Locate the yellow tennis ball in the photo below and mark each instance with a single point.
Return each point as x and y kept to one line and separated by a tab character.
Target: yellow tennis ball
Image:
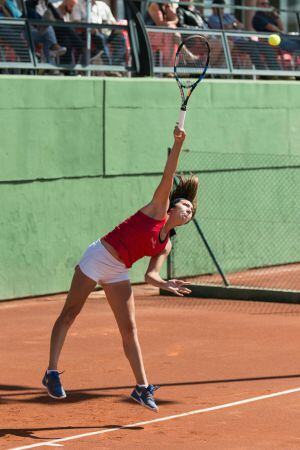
274	40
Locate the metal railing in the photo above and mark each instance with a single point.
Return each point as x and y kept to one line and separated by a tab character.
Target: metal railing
117	49
232	53
164	42
82	47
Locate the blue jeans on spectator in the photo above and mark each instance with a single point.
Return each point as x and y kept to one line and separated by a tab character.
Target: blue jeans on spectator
72	41
117	41
45	36
99	40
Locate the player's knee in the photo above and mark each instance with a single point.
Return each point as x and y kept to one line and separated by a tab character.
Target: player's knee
129	332
68	316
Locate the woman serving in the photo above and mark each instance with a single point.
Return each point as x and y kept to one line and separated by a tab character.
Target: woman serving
107	260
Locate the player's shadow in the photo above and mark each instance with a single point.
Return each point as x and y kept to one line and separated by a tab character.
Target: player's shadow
203	382
23	394
73	397
14	387
81	395
159	400
30	433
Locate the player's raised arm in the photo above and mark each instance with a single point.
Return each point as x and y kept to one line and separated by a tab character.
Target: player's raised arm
162	193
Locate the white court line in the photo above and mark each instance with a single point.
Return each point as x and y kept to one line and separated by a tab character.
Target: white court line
162	419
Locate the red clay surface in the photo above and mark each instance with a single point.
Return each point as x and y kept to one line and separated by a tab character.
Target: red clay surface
285	277
203	353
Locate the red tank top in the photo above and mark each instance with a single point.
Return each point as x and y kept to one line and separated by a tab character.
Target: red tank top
136	237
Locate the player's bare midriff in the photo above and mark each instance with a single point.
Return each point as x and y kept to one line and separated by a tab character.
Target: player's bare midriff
111	250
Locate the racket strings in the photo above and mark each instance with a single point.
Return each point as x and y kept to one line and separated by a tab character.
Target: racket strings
191	60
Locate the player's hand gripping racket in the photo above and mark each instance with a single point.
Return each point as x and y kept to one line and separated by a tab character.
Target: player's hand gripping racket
190	66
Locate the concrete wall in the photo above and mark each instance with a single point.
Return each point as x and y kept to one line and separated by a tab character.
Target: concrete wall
80	155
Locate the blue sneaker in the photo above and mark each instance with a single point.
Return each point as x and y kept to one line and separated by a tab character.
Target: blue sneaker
144	396
51	381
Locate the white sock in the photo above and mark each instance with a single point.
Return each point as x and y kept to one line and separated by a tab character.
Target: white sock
51	370
141	386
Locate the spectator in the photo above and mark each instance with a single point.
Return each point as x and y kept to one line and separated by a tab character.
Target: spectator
163	15
65	35
42	34
110	45
270	21
255	49
221	20
189	17
65	8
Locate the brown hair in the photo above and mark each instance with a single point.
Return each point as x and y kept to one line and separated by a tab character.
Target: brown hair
186	188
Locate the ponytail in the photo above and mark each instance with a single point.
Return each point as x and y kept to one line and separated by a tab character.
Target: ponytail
186	189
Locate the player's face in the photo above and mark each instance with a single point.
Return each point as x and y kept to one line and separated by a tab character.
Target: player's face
183	211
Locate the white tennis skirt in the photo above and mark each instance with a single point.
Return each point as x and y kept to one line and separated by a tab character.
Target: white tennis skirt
102	267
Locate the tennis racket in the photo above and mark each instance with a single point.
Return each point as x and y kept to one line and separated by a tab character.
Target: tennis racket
190	66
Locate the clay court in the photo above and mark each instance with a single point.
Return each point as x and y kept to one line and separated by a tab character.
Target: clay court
218	363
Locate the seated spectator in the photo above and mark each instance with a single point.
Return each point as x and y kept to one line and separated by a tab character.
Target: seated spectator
163	15
65	8
109	44
67	37
254	48
270	21
43	34
189	17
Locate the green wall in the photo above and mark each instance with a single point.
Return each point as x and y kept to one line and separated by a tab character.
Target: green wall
79	155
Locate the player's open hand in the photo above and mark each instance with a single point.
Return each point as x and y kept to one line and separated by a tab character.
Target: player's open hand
179	135
177	287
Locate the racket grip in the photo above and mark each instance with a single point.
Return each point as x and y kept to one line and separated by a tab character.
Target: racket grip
181	119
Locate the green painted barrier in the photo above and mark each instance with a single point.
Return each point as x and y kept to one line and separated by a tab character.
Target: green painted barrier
80	155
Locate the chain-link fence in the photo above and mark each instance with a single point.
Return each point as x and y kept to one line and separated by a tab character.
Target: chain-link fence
247	222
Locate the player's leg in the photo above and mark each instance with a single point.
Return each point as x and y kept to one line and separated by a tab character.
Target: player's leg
81	287
121	300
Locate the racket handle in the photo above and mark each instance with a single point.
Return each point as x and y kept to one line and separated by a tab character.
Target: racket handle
181	119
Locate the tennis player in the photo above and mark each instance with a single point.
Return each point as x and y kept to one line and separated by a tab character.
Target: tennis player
107	260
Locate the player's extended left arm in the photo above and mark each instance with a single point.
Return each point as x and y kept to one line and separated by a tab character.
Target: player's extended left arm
152	275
